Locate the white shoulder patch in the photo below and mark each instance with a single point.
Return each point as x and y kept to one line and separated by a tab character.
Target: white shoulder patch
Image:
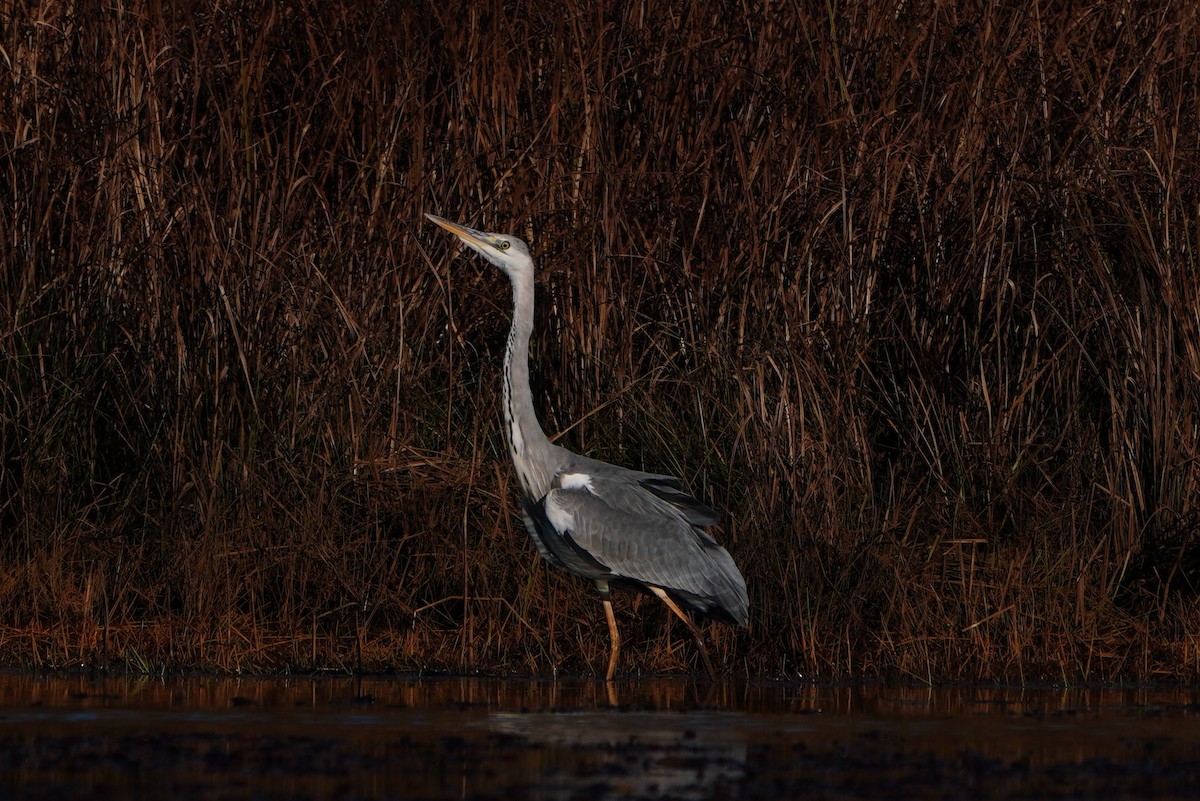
560	518
575	481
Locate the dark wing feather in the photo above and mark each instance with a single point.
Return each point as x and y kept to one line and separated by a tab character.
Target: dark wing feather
533	514
671	490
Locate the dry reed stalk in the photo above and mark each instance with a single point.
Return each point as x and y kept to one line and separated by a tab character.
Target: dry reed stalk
910	293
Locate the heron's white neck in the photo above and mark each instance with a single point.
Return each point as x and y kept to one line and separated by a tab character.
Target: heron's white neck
527	444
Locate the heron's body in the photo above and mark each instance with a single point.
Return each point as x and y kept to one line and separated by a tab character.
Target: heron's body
599	521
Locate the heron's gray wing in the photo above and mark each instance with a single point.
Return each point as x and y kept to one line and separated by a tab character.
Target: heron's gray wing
650	548
635	491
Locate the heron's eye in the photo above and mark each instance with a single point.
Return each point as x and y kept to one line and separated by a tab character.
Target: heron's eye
503	245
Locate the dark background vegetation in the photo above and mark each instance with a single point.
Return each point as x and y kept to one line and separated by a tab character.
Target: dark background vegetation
908	290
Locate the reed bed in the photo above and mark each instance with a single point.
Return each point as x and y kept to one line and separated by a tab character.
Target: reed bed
908	290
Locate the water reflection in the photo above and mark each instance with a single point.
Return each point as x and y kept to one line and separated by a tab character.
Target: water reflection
84	736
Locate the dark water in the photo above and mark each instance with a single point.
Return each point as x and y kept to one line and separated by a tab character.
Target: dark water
67	737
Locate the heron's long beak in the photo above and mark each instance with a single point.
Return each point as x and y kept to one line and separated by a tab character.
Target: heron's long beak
468	235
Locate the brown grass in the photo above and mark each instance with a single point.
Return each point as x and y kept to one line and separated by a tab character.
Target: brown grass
909	292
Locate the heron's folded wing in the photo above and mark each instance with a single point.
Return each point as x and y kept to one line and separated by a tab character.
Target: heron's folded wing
636	492
663	550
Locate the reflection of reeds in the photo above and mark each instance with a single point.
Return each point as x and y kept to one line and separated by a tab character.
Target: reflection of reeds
913	298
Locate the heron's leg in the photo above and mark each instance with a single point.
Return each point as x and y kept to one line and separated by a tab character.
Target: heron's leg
661	593
614	638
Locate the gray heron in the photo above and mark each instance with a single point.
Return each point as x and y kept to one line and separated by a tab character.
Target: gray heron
608	524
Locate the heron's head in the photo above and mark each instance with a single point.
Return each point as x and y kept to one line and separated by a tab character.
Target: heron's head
506	252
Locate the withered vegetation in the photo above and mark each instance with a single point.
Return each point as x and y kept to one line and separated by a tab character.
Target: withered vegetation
909	292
